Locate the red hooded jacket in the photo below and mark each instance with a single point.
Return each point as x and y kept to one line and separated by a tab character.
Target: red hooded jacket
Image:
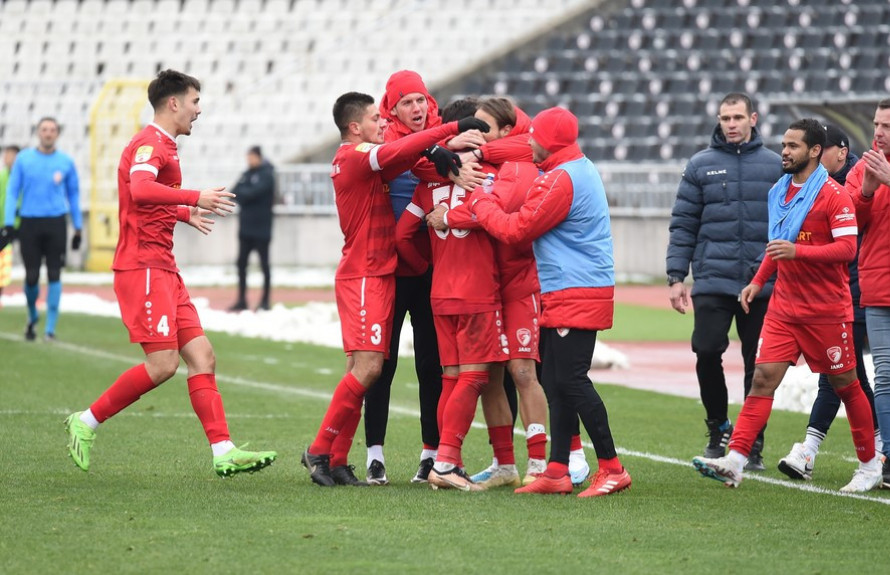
873	215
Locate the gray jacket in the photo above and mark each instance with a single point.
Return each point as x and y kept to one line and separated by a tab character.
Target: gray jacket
720	218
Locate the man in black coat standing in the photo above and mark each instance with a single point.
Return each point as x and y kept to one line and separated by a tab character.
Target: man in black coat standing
255	194
719	229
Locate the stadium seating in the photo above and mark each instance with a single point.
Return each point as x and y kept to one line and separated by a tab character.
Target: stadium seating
270	69
643	75
662	60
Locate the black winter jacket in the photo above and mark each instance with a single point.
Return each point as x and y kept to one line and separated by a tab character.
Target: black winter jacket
255	193
720	218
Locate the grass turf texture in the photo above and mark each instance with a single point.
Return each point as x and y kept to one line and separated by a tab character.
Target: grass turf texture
151	502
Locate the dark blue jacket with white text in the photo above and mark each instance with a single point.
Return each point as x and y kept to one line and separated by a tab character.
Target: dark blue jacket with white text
720	218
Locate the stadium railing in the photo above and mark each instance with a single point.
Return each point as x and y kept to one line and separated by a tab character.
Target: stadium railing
632	189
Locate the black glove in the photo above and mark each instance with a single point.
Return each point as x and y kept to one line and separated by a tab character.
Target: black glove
7	234
444	159
75	241
472	123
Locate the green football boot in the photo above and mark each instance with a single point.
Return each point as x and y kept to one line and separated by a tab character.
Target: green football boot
238	461
80	440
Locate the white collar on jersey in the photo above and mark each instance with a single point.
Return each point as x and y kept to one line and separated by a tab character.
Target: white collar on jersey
163	131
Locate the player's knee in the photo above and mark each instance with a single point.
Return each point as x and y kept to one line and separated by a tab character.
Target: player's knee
162	367
764	383
524	375
841	380
374	370
32	276
202	362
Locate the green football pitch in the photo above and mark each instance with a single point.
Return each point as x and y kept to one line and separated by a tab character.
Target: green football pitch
151	503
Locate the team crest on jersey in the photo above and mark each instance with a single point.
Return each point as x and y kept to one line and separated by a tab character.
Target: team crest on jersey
523	336
562	331
364	147
834	353
143	154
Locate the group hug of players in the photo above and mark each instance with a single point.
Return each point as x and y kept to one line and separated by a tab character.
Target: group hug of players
485	183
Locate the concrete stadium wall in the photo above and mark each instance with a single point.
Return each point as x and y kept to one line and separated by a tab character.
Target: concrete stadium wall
315	240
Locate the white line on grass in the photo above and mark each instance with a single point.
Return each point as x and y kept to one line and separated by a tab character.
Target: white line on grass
277	388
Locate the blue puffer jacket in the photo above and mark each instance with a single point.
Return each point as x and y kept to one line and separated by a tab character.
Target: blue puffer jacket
720	218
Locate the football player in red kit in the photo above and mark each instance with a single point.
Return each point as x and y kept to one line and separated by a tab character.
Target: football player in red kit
466	304
520	297
155	305
812	237
365	281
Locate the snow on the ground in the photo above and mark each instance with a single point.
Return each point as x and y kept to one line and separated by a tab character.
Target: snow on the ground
204	276
318	322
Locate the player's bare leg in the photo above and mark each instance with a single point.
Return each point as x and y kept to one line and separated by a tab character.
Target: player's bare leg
533	412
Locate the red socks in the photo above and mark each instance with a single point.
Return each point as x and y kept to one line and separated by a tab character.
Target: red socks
501	437
208	406
576	443
754	415
859	416
537	446
129	387
346	401
448	384
458	414
611	465
343	442
556	470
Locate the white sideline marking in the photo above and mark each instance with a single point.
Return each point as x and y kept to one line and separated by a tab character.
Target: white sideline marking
277	388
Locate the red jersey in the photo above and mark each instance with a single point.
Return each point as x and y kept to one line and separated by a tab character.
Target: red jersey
516	262
465	276
359	172
150	199
814	286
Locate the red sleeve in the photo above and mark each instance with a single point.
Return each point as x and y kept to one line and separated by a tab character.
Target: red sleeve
547	204
148	192
462	218
842	249
183	214
409	255
425	171
854	186
396	157
512	148
767	268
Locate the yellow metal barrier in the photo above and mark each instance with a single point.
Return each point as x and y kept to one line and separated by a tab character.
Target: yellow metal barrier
116	116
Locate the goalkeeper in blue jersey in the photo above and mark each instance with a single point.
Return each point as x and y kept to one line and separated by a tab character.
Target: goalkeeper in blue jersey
45	181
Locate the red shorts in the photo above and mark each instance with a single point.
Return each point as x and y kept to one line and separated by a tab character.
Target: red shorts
470	338
155	305
366	306
521	319
827	348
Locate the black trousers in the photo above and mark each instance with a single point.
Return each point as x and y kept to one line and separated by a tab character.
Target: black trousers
43	239
570	393
827	401
412	296
245	246
710	338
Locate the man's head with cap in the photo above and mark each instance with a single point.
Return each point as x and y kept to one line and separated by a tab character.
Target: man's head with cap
407	100
552	130
837	146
